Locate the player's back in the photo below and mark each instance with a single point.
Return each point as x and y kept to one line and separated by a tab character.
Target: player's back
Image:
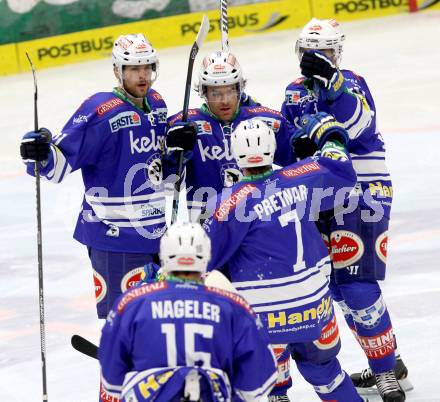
180	324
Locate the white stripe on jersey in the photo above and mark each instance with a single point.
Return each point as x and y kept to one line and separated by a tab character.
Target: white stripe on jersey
151	209
316	282
263	293
60	166
277	281
114	390
360	120
124	200
135	224
371	166
259	393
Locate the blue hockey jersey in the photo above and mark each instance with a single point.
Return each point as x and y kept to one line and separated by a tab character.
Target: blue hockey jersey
356	110
212	165
157	333
119	149
264	237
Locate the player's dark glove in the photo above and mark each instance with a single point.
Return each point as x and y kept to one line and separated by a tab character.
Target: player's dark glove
181	136
322	127
302	145
318	66
35	145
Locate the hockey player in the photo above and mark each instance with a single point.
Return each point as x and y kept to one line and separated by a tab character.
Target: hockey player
116	138
263	238
211	165
358	244
178	340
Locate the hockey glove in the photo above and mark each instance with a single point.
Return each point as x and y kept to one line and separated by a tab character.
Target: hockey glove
182	136
322	127
318	66
35	145
334	150
302	145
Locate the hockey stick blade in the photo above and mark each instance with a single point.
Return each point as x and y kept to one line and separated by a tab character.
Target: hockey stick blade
84	346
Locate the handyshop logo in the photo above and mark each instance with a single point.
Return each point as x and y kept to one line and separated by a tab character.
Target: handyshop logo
251	22
124	119
282	318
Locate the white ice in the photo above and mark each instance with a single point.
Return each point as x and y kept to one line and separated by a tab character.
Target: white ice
400	58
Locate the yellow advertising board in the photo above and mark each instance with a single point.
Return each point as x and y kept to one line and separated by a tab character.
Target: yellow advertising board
162	32
344	10
8	59
427	4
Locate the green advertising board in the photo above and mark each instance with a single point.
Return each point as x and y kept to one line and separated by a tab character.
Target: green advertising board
22	20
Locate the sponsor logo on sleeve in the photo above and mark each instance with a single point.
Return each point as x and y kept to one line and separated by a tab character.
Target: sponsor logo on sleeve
162	114
292	97
381	246
139	291
80	119
301	170
228	205
236	298
346	248
105	107
203	127
157	96
131	278
263	109
100	287
124	119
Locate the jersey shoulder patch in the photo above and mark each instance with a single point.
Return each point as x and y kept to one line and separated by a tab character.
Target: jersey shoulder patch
263	109
232	296
238	196
155	99
301	170
139	291
192	113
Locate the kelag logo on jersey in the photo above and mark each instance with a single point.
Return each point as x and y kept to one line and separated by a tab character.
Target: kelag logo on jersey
124	119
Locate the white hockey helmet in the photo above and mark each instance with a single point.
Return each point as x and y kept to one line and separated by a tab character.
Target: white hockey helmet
220	69
185	247
321	34
253	144
134	50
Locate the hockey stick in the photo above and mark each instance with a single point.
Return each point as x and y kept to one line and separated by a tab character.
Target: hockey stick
84	346
224	24
39	243
201	35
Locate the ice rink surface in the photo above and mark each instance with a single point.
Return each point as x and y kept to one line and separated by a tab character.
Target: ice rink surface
400	58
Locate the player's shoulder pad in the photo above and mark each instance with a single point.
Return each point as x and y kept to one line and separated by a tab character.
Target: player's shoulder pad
193	114
239	194
297	84
349	74
155	99
233	297
139	291
303	168
262	110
